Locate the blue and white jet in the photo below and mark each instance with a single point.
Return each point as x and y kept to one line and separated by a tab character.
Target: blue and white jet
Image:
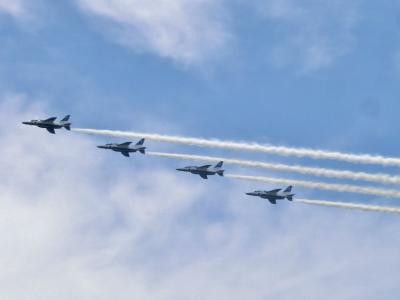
204	171
274	195
51	124
126	148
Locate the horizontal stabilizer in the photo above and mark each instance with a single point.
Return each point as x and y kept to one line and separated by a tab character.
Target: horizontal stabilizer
142	151
290	198
68	127
220	173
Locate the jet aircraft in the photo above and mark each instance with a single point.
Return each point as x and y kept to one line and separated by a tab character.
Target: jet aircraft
274	195
126	148
204	171
51	124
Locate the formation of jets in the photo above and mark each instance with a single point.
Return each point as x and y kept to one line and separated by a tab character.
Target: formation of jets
125	149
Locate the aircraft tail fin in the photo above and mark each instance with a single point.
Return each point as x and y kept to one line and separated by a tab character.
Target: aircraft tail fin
220	173
141	142
68	127
143	151
219	165
288	189
66	118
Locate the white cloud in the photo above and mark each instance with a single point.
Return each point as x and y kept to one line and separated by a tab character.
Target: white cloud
80	223
26	12
15	8
312	34
186	31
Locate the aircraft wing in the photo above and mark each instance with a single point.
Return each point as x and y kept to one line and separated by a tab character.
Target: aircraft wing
125	144
125	153
271	200
204	167
51	130
51	120
275	191
204	176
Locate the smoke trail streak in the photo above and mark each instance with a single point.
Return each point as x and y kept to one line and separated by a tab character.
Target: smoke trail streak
322	172
321	186
278	150
394	210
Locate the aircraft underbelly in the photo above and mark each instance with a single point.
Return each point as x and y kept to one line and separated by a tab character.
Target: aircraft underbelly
123	150
49	126
273	197
202	173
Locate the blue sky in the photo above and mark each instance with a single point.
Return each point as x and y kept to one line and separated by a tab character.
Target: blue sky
310	73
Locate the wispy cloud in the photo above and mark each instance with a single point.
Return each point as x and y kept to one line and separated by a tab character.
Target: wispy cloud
16	8
188	32
312	34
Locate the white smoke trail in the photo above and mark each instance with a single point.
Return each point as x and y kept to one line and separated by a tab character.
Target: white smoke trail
321	186
394	210
278	150
322	172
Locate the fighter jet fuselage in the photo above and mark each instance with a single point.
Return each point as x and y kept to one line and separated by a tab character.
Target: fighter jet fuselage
204	171
125	148
51	124
274	195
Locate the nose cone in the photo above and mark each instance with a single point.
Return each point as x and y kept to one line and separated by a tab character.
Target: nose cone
251	194
101	147
181	169
26	123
